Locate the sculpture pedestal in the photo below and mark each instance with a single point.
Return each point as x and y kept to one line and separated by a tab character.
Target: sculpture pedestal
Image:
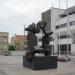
40	63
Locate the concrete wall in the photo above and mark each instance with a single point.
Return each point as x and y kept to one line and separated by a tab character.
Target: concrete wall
72	49
46	16
54	18
17	53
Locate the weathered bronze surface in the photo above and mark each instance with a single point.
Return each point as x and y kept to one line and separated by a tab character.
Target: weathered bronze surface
32	40
39	58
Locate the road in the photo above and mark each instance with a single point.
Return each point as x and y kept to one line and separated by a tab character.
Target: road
12	65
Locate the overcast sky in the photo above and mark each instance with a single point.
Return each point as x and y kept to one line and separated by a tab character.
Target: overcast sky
14	14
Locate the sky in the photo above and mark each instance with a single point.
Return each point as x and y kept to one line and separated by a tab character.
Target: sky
14	14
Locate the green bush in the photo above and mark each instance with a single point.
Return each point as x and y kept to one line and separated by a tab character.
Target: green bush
25	43
11	48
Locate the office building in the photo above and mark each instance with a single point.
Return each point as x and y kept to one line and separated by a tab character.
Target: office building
62	23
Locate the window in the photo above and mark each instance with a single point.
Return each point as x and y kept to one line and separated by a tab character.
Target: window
5	36
62	26
65	25
57	27
63	36
40	39
63	49
72	23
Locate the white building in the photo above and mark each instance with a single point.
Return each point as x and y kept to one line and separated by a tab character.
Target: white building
63	26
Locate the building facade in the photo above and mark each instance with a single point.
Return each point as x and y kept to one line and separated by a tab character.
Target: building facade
46	16
19	42
4	41
62	23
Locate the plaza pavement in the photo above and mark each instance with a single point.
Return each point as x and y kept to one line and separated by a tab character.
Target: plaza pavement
12	65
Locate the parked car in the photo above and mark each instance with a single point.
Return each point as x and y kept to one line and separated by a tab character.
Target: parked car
6	53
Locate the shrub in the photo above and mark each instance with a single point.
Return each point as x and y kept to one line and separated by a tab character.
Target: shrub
11	48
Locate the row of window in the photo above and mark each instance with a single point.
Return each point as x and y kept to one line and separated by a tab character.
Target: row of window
3	36
63	36
3	40
2	43
63	49
65	25
69	13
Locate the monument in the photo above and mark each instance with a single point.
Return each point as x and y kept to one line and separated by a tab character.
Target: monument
30	60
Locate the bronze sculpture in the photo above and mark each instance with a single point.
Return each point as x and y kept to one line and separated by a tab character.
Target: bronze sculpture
45	38
32	40
30	60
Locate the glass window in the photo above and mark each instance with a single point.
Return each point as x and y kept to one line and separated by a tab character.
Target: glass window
72	23
40	39
5	36
65	25
57	27
63	36
62	26
63	49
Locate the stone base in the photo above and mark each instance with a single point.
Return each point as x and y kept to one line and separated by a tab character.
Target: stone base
40	63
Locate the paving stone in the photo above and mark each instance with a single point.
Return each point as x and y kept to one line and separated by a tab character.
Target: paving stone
67	74
12	65
2	72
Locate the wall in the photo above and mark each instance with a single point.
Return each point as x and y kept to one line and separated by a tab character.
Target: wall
72	49
17	53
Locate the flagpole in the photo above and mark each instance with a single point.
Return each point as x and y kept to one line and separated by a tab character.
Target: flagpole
24	36
52	37
59	30
52	3
24	30
68	28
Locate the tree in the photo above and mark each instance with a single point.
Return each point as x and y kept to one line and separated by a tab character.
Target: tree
11	48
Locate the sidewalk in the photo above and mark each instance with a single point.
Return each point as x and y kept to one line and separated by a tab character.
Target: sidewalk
12	65
2	72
